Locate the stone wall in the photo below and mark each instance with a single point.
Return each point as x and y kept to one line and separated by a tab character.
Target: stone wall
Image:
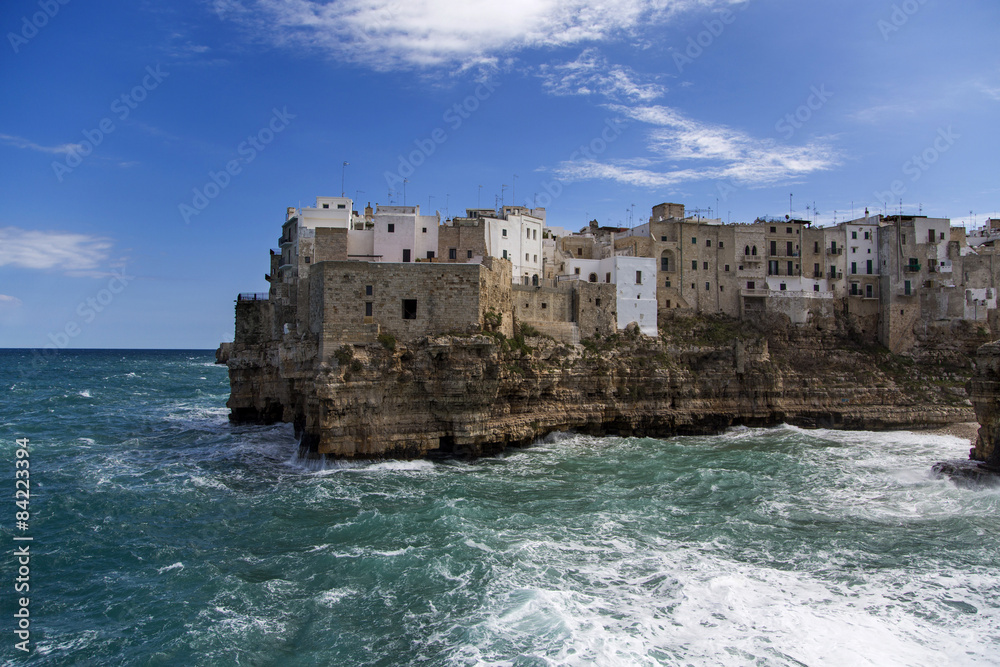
543	304
597	312
463	237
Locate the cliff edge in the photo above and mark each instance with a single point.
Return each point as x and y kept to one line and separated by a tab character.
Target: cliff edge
475	394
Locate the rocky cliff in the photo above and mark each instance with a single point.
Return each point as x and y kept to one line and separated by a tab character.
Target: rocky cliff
476	394
984	391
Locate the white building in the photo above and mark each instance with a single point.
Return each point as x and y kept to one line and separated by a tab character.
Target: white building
517	236
401	234
635	286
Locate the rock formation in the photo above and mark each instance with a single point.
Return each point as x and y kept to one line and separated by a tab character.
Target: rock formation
476	394
984	391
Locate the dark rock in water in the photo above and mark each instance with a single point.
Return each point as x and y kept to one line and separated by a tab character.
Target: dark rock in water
967	474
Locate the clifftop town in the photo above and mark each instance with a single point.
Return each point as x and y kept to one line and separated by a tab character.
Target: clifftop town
390	333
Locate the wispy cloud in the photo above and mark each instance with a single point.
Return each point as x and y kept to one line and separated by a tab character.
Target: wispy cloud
591	73
21	142
388	34
9	301
713	152
75	254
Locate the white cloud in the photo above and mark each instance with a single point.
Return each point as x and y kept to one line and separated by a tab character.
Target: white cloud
21	142
427	33
716	152
591	74
9	301
76	254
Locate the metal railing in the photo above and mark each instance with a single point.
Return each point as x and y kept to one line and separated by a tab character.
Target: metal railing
252	296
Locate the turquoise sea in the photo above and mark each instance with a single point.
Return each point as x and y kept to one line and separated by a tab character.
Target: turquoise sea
162	535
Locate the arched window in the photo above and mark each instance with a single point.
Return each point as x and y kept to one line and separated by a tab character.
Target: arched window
753	251
746	250
593	277
534	280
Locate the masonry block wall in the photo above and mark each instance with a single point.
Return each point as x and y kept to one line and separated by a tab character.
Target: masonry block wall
597	312
543	304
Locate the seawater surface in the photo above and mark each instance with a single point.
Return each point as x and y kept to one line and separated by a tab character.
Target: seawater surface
165	536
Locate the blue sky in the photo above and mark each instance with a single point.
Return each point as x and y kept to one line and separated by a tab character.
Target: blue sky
118	114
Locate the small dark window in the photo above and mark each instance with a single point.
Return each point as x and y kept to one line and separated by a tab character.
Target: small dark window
815	288
663	239
504	233
667	283
545	305
708	243
341	205
470	254
774	230
452	253
308	260
368	290
406	254
638	277
788	230
579	252
505	257
576	271
694	265
750	284
430	254
694	240
607	277
597	302
424	230
704	265
721	244
392	228
593	277
409	309
727	268
708	286
368	308
326	206
782	286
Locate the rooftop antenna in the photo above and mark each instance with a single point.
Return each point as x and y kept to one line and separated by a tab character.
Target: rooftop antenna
447	206
479	198
343	173
503	188
429	198
790	209
405	181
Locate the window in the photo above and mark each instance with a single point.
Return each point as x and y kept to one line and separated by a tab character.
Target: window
534	234
430	254
867	235
526	256
576	271
368	308
774	248
668	303
815	288
789	252
774	230
409	309
307	259
788	230
663	239
720	244
903	236
942	236
534	258
528	232
708	243
722	288
750	284
579	252
931	236
597	302
424	230
504	233
666	283
392	228
592	278
746	250
638	277
469	254
342	206
524	280
816	272
782	287
854	235
704	265
869	291
452	253
694	240
544	306
869	267
505	256
815	246
753	251
906	287
772	267
708	286
607	277
854	267
326	206
694	265
406	254
692	285
727	268
534	279
854	289
368	290
790	272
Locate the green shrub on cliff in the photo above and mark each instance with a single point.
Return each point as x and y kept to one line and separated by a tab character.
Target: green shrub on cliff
388	341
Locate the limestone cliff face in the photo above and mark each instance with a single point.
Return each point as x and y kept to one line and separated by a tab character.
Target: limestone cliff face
984	391
475	395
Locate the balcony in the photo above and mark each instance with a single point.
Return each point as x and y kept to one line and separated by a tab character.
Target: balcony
835	275
834	251
751	259
753	292
911	268
285	241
